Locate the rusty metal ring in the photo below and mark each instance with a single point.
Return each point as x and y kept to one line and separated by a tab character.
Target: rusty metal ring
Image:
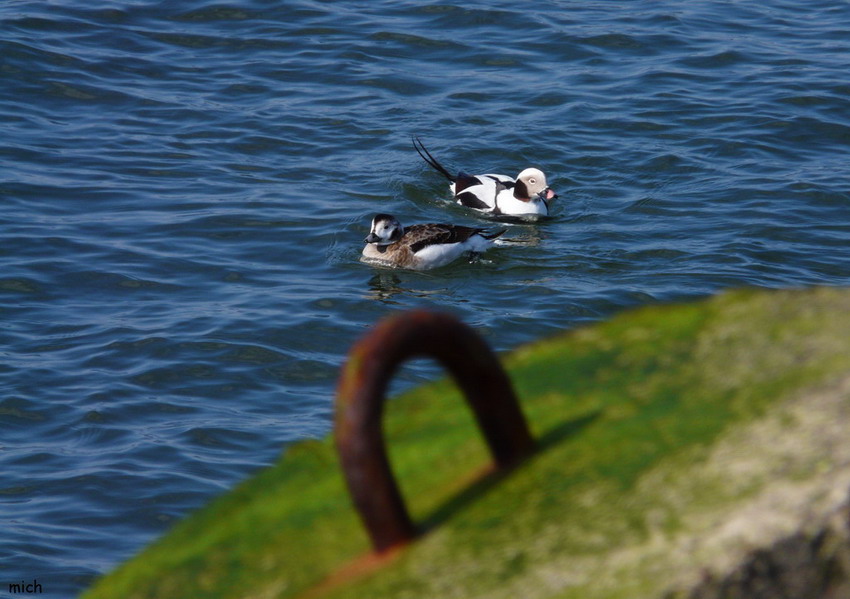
360	401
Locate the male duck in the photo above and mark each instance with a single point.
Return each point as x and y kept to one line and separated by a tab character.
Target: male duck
527	195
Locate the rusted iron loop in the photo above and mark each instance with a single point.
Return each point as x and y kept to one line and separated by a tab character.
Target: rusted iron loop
360	401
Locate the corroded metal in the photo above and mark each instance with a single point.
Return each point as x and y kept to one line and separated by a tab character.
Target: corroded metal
360	401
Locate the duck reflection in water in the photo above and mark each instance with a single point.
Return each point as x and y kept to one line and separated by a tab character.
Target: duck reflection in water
384	286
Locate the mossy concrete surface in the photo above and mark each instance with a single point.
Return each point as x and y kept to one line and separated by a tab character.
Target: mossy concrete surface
675	441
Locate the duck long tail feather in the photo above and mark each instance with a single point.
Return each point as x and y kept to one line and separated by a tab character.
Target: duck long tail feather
432	162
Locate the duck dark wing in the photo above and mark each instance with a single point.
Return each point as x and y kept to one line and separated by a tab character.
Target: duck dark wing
421	236
471	200
465	181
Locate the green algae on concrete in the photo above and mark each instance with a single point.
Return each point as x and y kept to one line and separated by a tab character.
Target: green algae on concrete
672	439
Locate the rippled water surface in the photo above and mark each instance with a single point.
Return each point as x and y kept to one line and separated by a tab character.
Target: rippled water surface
186	185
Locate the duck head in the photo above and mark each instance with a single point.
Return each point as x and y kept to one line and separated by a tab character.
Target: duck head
385	230
531	183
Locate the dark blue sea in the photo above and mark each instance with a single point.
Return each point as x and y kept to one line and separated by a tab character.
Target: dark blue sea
185	188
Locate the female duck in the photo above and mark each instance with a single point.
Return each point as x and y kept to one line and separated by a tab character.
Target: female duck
420	247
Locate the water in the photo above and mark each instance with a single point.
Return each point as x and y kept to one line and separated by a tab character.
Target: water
185	188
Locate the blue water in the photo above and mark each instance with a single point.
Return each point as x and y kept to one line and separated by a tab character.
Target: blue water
185	188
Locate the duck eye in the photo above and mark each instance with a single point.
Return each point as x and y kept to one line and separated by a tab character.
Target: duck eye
532	180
